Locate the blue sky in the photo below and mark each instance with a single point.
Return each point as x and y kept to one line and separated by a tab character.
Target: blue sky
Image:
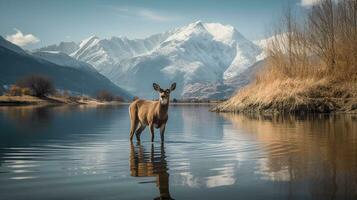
35	23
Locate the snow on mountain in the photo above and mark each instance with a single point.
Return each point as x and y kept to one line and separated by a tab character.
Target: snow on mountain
80	78
199	56
63	59
203	58
64	47
105	53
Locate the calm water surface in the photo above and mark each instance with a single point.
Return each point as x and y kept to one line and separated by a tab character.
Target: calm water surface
84	153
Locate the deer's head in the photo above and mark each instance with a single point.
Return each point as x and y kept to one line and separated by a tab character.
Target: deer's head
164	94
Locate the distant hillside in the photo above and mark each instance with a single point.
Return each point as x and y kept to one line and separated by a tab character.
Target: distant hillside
63	59
17	64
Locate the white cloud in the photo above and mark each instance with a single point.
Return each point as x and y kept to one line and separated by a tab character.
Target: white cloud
153	16
20	39
143	13
308	3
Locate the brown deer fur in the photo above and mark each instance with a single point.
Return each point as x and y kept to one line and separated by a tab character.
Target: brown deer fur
150	113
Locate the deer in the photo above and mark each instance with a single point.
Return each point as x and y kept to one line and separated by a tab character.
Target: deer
150	113
144	163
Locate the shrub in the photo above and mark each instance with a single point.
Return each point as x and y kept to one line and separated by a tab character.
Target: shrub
65	93
119	98
74	98
40	86
25	91
2	89
105	95
14	91
85	98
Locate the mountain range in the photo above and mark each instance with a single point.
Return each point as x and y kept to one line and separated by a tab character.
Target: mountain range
66	72
207	60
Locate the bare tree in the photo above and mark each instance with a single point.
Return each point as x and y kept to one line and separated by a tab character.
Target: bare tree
321	29
119	98
324	42
105	95
39	85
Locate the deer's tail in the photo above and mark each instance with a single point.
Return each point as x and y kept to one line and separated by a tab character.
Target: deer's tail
133	113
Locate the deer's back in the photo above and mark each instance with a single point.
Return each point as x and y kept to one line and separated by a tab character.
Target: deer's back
144	110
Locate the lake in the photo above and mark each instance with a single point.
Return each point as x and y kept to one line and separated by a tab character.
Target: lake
75	152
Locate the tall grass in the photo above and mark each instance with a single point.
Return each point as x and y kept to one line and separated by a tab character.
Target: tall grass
322	45
313	57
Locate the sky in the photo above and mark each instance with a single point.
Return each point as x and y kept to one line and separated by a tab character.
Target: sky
36	23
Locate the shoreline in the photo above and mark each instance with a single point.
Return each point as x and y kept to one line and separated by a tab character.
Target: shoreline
192	103
26	100
319	106
308	106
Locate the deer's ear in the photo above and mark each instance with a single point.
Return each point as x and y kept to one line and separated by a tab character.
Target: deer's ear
173	87
156	87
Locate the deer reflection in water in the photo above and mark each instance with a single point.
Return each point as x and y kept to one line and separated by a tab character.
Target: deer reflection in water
150	164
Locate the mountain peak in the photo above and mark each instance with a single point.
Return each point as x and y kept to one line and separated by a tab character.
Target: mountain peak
219	32
198	23
185	32
89	41
93	37
224	33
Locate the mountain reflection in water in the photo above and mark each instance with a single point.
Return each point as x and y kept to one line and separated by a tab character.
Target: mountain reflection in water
320	150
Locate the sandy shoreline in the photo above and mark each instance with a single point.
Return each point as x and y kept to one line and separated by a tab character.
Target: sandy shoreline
30	100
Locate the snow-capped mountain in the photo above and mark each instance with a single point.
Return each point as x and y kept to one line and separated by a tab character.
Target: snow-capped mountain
64	47
63	59
203	58
76	77
105	54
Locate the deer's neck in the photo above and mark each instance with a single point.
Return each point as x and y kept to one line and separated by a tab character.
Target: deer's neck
162	109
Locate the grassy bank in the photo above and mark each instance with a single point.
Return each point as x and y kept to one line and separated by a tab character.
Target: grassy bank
294	96
311	67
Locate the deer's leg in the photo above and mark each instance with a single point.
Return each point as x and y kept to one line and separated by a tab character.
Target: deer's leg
162	132
151	126
133	125
138	132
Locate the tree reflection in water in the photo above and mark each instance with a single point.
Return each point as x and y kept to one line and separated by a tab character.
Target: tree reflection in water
319	150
